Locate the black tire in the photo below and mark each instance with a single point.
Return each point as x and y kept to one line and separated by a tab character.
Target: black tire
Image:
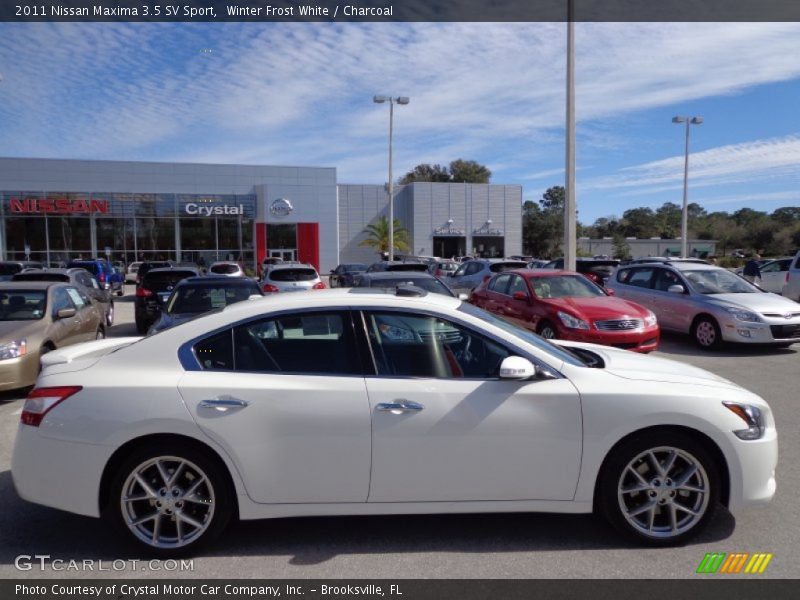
548	331
100	334
214	509
706	333
141	327
660	494
110	315
120	292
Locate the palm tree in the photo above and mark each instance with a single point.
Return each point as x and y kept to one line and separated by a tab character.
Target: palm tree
378	236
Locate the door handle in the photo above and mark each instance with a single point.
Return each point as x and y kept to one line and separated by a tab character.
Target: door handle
399	407
223	404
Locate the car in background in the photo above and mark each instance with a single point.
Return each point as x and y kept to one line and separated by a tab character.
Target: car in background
194	296
291	277
537	263
392	279
152	293
351	402
9	268
473	272
130	272
791	289
443	268
103	272
37	317
664	259
147	265
567	305
598	270
81	279
226	268
344	275
397	265
773	274
710	303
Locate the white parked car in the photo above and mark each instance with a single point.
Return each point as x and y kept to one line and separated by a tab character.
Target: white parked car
791	287
226	268
130	272
291	277
353	402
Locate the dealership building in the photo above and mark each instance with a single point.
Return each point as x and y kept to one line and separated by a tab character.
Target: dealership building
56	210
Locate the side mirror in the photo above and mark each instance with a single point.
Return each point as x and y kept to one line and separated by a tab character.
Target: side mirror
609	292
516	367
676	289
521	296
66	313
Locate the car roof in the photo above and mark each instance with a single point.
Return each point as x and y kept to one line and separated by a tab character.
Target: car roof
225	262
378	275
542	273
293	265
680	266
172	270
212	280
31	285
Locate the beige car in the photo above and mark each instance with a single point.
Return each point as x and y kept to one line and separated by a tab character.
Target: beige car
36	317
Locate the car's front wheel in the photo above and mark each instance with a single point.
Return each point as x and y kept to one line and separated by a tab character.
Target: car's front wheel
706	333
171	499
660	489
548	331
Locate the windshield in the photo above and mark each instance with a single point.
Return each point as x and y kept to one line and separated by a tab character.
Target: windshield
505	266
719	281
567	286
21	305
426	283
529	337
224	269
40	276
205	298
300	274
354	268
10	269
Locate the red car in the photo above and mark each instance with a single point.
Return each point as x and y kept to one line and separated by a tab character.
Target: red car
568	306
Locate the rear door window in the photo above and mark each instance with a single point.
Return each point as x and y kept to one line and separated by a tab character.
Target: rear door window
638	277
499	284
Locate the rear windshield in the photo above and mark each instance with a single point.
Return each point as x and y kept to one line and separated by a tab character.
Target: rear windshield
298	274
505	266
41	277
354	267
426	283
408	267
10	269
93	268
206	298
22	305
163	279
224	269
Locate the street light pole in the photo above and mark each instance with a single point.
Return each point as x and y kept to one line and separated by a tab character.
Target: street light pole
570	229
391	100
685	211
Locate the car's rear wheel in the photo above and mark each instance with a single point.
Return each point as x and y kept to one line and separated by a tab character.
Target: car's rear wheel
548	331
110	315
171	499
706	333
660	489
100	334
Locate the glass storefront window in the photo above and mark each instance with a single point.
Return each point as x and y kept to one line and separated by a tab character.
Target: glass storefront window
69	234
116	234
25	231
155	235
283	236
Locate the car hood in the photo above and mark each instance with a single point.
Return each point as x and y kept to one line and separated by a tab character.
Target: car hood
757	301
14	330
643	367
601	307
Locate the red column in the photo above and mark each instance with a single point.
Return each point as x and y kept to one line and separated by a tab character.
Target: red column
261	244
308	243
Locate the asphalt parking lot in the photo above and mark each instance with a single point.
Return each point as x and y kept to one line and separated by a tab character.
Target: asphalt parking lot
463	546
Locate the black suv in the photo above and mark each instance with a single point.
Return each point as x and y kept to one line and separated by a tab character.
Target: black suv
152	293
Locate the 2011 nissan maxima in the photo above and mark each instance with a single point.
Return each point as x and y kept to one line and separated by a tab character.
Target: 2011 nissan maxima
359	402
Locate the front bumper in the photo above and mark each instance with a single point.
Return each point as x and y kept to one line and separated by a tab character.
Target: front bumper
19	372
638	340
769	331
56	473
752	475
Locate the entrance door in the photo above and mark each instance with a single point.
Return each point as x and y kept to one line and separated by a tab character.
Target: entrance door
284	255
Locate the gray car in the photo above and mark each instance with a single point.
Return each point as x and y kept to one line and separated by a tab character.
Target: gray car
471	273
291	277
712	304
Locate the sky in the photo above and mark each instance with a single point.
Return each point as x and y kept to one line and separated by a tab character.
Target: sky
300	94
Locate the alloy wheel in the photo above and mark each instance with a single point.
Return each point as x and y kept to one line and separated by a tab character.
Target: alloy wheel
706	334
167	502
663	492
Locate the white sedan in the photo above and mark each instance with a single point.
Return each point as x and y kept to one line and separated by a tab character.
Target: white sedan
359	402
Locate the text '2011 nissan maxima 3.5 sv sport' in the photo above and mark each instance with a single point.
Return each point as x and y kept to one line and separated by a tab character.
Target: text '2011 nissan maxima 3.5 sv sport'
353	402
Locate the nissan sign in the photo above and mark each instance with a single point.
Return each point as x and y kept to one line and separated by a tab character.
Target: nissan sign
282	207
193	208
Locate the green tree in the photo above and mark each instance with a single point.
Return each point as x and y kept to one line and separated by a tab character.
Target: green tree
622	250
669	220
469	171
786	215
553	199
639	222
378	236
426	172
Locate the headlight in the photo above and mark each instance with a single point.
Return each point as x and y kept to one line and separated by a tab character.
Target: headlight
572	322
750	415
650	319
13	349
744	315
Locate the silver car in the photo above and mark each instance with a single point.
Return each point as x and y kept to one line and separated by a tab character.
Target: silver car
710	303
291	277
471	273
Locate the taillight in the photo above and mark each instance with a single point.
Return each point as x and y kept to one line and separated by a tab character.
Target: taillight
143	292
269	288
318	286
102	277
42	400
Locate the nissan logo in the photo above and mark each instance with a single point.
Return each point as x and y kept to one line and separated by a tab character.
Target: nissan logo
282	207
